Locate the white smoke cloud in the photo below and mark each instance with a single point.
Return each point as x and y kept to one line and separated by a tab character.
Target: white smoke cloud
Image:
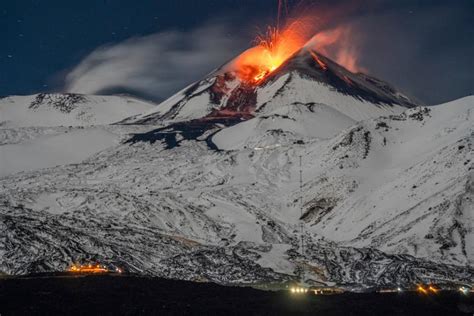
155	65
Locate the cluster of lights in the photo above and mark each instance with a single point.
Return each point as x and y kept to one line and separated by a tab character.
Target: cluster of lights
298	290
91	268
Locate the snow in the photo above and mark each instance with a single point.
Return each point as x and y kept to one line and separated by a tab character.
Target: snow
245	224
195	108
46	130
19	111
292	121
49	151
277	259
199	104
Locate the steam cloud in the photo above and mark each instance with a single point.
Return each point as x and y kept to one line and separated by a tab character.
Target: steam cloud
156	65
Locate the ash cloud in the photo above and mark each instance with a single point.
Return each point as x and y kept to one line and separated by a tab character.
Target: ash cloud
155	65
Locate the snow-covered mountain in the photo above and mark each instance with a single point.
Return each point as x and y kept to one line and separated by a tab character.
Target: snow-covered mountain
45	130
305	78
68	109
206	186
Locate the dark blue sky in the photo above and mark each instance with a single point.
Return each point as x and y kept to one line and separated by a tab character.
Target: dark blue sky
423	47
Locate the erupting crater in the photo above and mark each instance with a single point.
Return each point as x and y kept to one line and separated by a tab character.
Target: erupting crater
272	50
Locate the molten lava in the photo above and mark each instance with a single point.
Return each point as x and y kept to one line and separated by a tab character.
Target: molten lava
272	49
275	46
319	61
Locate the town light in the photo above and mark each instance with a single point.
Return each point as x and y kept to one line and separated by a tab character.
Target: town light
421	289
298	290
433	289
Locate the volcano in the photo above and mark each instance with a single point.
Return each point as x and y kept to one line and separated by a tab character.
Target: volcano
205	186
305	84
315	78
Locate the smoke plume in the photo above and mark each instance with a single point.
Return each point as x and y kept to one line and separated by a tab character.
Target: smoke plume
155	65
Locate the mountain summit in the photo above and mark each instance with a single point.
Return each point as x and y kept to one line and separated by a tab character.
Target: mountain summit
306	77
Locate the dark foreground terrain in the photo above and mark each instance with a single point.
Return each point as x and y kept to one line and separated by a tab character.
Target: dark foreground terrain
131	295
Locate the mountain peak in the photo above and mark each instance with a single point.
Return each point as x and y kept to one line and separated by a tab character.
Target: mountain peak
305	77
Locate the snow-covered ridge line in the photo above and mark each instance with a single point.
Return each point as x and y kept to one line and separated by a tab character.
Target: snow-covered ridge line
68	109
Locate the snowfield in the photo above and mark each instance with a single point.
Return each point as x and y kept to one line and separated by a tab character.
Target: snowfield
46	130
387	197
67	110
51	150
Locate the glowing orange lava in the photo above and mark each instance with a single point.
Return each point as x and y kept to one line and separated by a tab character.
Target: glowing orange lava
279	43
272	49
319	61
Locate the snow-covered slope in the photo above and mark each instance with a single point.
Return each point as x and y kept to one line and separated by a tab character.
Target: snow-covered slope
62	147
386	201
286	124
46	130
67	110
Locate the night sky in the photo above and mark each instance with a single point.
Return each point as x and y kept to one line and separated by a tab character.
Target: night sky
154	48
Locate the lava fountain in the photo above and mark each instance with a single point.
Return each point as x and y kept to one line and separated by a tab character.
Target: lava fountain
272	49
277	44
